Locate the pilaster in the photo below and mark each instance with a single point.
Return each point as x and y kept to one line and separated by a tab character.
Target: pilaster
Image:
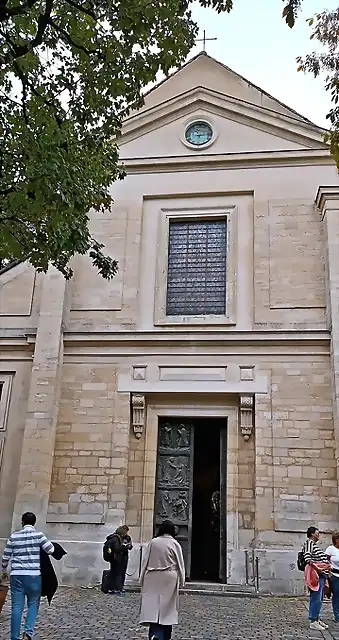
327	201
36	464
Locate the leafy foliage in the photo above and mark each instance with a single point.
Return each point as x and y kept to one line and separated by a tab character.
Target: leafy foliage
325	29
69	71
290	11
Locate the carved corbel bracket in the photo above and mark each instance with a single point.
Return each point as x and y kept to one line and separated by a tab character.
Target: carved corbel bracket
246	416
138	403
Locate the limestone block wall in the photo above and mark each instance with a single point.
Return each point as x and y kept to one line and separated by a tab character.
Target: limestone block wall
296	476
278	483
89	480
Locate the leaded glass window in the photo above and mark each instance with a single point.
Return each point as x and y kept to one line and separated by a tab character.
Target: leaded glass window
196	278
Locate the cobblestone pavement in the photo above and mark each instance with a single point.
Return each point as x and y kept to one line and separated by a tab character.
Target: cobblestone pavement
79	614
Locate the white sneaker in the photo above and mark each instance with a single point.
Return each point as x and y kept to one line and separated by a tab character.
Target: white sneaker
316	626
323	625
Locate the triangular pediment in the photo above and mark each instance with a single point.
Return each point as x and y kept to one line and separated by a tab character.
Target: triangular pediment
205	71
240	127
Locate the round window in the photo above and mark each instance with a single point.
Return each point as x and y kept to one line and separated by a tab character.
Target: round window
199	133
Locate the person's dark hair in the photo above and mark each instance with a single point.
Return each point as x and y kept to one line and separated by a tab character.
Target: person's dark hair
311	531
335	537
28	518
166	528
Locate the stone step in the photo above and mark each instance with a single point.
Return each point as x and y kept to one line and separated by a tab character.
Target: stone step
212	589
215	588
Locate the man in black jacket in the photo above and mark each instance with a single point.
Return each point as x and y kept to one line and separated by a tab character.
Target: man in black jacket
119	544
127	547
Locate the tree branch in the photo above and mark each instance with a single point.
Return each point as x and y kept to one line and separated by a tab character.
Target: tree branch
88	12
71	42
10	12
21	50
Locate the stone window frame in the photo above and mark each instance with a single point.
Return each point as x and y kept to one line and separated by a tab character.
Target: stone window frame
230	213
199	117
5	393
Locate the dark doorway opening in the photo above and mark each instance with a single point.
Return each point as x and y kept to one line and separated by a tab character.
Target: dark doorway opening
207	481
191	491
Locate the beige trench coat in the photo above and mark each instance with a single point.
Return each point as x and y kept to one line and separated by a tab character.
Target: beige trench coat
162	574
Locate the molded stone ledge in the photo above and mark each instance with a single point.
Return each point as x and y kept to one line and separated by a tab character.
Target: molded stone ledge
325	194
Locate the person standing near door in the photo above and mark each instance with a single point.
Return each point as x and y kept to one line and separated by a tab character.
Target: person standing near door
126	548
332	553
113	553
23	550
162	574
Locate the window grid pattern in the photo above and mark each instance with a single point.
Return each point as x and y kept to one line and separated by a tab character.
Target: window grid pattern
196	278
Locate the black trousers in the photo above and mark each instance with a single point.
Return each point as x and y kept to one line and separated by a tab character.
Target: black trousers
116	576
160	631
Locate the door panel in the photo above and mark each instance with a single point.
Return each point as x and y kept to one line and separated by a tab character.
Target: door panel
174	475
223	506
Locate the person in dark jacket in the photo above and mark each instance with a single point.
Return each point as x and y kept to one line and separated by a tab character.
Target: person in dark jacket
116	562
127	547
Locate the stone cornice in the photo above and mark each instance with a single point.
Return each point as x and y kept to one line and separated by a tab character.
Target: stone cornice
194	343
14	340
205	335
327	198
228	107
28	336
206	162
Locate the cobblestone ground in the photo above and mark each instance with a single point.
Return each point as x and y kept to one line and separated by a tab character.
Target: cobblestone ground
78	614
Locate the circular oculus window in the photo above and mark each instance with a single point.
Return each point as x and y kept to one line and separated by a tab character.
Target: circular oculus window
198	133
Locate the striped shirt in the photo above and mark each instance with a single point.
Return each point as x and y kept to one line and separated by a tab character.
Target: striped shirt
313	553
23	550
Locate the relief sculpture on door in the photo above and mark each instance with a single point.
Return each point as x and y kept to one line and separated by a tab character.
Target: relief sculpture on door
173	486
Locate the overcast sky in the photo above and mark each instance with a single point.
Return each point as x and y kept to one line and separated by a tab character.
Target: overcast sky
255	41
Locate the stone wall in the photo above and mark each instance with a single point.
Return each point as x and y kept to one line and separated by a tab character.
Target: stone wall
69	451
91	450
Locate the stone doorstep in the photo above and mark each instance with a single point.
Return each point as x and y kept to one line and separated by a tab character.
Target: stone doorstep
210	589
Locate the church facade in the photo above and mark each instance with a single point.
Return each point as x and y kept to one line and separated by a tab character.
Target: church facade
202	383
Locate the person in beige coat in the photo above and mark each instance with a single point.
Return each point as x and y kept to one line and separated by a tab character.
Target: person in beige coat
162	574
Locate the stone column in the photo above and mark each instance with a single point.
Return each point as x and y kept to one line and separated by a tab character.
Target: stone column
36	464
327	201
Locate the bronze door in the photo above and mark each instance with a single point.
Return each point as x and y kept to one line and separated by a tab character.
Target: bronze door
223	506
174	479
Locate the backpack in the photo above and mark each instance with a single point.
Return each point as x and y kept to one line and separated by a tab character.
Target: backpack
301	564
107	551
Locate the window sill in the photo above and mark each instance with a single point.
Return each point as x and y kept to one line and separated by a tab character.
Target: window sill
195	320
